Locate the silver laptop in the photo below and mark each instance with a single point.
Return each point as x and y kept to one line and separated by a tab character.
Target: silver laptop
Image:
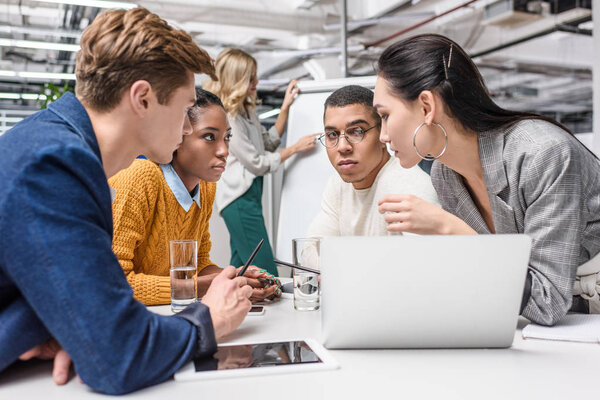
422	291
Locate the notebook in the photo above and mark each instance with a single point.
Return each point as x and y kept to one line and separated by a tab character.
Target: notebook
572	328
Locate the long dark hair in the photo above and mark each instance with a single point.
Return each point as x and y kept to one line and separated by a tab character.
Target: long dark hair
426	62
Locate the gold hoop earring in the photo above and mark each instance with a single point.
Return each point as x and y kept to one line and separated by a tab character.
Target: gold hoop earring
429	157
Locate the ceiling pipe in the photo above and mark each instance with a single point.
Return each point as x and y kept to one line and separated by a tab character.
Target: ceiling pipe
536	35
428	20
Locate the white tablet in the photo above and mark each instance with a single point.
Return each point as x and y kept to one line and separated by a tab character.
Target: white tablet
262	359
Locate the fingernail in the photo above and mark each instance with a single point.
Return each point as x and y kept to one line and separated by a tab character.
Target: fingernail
60	378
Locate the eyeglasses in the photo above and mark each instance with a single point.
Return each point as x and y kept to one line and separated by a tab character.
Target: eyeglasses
354	135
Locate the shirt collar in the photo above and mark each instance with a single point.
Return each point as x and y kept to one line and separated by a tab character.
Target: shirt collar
70	109
178	188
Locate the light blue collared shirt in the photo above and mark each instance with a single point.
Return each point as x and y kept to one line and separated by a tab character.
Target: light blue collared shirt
178	188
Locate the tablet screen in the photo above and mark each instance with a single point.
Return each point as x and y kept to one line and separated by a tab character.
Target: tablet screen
258	355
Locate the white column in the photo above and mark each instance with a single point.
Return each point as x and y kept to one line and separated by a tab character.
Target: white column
596	74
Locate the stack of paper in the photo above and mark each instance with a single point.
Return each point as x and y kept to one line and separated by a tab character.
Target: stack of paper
572	328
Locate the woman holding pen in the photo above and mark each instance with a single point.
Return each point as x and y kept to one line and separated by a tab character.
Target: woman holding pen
496	171
252	154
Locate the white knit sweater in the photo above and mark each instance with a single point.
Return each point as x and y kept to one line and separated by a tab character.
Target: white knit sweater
346	211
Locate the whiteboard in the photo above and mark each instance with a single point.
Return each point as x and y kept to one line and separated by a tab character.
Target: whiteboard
305	175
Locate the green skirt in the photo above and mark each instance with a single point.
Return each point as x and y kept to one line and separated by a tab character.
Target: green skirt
246	225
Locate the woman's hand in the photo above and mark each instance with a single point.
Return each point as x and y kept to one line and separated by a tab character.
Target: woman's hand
259	279
306	143
290	93
408	213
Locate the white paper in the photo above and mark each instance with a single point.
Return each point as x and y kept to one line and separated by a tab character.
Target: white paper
572	328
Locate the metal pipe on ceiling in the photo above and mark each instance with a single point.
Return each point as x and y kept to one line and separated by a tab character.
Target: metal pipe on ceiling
413	27
556	28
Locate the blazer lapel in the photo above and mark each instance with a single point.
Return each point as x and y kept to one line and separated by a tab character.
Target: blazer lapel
465	207
491	147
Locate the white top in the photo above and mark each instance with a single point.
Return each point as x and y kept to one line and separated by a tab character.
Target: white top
251	154
346	211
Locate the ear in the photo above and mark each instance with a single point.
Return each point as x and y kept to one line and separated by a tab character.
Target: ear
427	106
141	96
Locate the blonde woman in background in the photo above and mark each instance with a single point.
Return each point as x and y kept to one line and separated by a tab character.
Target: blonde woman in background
252	154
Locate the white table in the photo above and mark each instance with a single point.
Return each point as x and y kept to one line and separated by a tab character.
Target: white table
531	369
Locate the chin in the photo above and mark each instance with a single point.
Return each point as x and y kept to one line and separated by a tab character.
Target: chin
161	158
406	164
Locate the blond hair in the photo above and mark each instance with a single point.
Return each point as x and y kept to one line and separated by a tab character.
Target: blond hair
235	70
120	47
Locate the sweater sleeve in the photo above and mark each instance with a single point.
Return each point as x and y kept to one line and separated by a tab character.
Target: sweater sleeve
209	190
135	202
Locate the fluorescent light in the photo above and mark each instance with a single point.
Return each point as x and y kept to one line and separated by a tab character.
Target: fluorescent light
24	96
270	113
33	96
93	3
38	75
32	44
46	75
40	32
13	120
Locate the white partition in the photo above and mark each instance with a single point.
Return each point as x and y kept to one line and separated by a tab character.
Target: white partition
306	174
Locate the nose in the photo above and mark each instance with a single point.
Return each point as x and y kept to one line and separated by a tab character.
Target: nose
344	146
383	135
187	126
223	149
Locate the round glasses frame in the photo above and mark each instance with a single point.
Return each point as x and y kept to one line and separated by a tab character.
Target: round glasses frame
323	137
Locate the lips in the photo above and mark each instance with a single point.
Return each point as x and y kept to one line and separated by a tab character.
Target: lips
347	164
220	167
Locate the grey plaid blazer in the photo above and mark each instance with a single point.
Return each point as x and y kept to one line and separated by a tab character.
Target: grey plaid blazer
541	182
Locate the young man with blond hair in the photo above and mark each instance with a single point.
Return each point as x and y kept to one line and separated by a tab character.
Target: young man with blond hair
60	282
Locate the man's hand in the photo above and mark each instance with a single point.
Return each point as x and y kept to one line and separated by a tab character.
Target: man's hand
48	350
228	301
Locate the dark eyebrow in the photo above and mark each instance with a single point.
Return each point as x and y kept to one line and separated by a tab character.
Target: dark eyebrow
376	106
330	128
357	121
209	128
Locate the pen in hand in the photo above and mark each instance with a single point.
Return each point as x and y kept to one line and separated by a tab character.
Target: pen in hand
243	270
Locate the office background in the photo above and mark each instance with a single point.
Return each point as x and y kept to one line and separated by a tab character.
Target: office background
540	56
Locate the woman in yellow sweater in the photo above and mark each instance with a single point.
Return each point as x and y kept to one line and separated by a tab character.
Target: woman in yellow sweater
156	203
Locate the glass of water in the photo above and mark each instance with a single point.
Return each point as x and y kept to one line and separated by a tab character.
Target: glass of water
183	257
307	288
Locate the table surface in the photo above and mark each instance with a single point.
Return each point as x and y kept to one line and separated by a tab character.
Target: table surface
530	369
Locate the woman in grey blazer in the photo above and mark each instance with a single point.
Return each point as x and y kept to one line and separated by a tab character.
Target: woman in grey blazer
496	171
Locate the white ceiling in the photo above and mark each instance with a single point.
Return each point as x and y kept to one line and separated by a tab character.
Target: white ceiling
301	38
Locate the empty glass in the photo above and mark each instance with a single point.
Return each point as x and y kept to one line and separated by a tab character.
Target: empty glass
307	288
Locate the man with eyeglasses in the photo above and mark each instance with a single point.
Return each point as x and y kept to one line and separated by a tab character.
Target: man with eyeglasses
365	169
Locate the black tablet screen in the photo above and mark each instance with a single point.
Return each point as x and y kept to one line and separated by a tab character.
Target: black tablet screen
258	355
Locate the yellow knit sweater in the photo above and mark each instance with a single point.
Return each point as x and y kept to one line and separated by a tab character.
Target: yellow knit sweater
146	217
